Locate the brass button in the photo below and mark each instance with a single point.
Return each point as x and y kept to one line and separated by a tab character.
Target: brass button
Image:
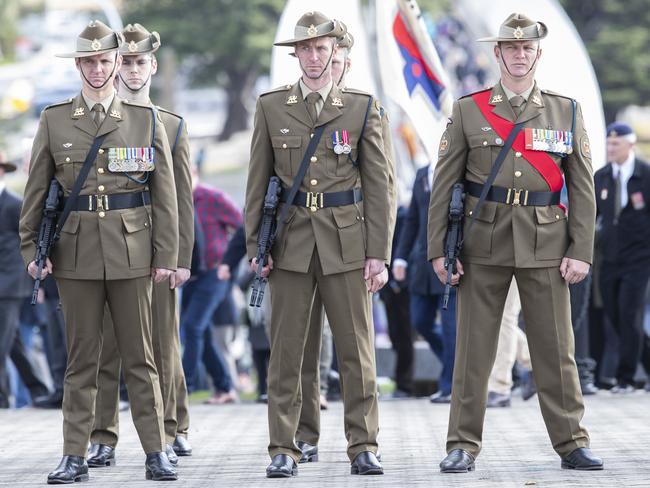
313	182
314	159
498	140
67	160
102	214
311	135
101	151
100	171
284	146
146	224
101	188
517	174
471	212
557	216
485	143
517	154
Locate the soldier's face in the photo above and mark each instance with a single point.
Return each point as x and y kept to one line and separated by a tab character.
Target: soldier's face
518	56
618	149
99	68
136	70
340	64
314	56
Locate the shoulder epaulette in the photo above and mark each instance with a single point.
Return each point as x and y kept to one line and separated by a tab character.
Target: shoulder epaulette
277	89
356	91
58	104
161	109
489	88
552	93
136	104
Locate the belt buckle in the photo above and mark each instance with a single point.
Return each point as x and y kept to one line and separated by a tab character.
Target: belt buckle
101	203
314	200
517	197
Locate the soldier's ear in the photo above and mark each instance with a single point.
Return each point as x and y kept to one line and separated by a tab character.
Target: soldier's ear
154	65
497	52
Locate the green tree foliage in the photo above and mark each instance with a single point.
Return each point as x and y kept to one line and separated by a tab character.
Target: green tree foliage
8	18
223	41
618	40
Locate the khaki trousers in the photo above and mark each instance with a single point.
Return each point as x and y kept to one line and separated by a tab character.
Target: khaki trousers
513	345
347	304
166	350
129	302
546	307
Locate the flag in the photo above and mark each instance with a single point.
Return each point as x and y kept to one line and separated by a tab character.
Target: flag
411	72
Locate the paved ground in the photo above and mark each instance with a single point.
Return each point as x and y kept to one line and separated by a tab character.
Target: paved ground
229	444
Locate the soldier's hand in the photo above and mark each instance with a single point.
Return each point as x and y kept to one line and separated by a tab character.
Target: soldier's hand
377	282
223	272
399	272
161	274
179	278
266	269
439	268
373	267
32	269
573	270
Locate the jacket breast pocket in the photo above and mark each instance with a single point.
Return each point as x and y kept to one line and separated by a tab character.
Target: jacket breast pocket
552	233
478	242
68	166
288	154
64	253
351	234
137	235
340	165
483	150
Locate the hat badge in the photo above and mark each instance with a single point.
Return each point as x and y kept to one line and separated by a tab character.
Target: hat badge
518	33
132	47
312	31
96	45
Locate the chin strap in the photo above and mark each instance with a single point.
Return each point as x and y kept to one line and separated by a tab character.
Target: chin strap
134	90
326	64
508	69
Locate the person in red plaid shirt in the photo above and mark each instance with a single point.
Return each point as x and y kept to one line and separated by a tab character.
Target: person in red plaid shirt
218	217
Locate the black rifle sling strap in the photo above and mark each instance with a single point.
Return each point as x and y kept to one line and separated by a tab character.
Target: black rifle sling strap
318	132
83	174
493	174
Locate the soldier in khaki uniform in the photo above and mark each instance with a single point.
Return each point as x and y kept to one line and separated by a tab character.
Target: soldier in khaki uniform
521	231
139	64
308	432
122	231
335	242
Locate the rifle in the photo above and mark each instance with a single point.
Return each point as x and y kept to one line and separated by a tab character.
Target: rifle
46	237
265	238
453	240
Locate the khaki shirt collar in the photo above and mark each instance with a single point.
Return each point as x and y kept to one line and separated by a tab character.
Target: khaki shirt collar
323	92
106	102
510	93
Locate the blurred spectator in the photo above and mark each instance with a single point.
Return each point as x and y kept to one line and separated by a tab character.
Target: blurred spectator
623	222
425	289
218	217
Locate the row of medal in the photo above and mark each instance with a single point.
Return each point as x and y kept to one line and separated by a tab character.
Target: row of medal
341	141
557	141
127	159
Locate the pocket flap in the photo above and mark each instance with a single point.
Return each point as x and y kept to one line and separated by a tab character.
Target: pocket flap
286	142
134	222
487	213
71	225
548	215
74	156
488	138
345	217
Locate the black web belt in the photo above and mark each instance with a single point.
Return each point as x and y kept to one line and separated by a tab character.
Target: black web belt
514	196
118	201
316	200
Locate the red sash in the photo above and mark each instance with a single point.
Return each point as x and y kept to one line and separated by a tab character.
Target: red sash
539	160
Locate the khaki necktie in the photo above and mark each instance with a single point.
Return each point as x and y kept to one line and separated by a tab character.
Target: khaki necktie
517	103
617	195
98	114
311	100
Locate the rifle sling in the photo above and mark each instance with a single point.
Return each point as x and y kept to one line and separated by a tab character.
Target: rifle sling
492	176
71	200
311	148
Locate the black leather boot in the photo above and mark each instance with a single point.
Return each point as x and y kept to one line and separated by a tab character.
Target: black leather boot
69	470
158	467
